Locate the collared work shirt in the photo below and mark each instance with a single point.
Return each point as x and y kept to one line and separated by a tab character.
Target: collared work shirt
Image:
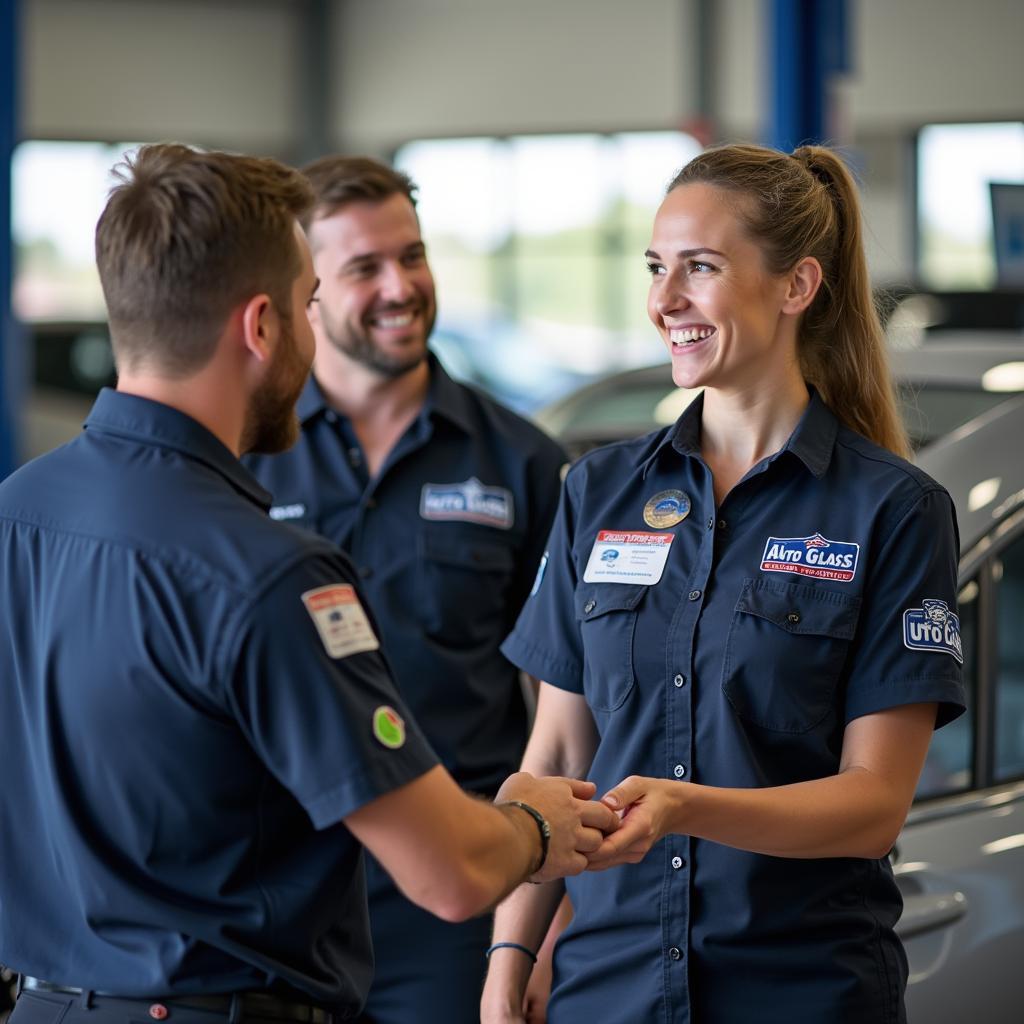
778	618
446	538
186	720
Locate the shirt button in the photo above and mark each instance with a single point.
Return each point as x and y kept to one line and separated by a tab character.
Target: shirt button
721	524
711	522
793	617
677	862
366	572
675	953
694	595
679	771
589	606
680	680
331	416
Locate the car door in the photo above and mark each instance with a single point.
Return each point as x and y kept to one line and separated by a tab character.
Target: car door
960	859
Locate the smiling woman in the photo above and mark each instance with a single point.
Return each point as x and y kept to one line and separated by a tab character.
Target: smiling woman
747	680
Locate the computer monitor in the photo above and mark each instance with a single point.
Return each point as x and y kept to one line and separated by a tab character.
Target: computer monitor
1008	231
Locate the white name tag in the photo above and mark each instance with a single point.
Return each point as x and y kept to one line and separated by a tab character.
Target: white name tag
340	620
628	557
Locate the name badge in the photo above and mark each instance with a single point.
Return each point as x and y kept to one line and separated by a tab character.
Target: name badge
619	557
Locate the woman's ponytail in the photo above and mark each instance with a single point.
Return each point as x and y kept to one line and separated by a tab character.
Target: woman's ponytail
807	205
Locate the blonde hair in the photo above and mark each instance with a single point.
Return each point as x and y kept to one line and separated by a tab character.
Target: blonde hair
806	204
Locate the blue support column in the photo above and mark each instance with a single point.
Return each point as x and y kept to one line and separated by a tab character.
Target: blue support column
12	383
808	46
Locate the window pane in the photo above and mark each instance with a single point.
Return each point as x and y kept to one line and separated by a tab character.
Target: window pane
537	245
58	192
1009	725
947	769
955	164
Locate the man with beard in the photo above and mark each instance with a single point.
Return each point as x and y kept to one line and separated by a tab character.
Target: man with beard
443	499
199	728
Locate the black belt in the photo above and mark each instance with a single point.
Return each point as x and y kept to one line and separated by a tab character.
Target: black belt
240	1006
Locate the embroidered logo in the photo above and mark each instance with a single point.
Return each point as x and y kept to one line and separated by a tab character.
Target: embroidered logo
296	511
933	627
470	502
815	556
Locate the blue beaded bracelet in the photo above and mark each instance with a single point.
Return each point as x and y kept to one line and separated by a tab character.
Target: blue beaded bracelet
511	945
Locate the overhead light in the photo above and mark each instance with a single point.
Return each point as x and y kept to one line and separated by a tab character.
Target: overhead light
1004	377
1002	845
983	493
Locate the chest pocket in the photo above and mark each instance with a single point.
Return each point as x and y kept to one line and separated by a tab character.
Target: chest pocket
607	614
785	653
462	583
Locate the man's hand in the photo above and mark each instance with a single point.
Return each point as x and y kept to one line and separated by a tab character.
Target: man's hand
646	807
578	823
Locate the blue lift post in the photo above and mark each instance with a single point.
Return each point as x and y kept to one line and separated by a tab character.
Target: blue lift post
12	362
808	44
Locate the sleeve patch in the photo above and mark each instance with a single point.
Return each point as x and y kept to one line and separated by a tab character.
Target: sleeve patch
340	620
933	627
388	727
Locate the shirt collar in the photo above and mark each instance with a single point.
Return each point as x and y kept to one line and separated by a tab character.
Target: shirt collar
811	442
445	399
150	422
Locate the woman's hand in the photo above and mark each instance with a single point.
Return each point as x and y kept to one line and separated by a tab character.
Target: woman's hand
648	809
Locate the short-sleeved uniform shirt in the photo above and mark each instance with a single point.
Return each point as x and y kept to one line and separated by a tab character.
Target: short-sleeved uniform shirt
192	700
446	538
731	648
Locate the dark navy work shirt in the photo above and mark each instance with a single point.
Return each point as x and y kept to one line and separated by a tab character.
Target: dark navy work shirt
822	589
189	706
447	538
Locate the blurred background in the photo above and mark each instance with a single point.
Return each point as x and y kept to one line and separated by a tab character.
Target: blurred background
542	134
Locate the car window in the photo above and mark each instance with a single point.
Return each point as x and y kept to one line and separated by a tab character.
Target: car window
948	767
1009	697
931	411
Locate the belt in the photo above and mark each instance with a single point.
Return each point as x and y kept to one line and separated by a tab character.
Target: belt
239	1006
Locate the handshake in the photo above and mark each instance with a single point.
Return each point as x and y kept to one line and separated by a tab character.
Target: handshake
588	834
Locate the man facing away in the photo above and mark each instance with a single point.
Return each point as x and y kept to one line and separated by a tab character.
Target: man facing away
200	732
443	499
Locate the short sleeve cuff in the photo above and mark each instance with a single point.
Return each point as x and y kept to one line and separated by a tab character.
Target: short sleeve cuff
391	771
560	672
947	693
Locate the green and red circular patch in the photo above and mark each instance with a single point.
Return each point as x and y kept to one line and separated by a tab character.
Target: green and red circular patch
388	727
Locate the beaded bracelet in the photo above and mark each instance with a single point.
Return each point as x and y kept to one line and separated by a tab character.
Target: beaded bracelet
511	945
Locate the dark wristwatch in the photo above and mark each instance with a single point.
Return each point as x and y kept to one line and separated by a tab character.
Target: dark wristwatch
542	827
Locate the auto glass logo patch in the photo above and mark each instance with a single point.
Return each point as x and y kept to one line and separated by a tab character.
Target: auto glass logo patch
815	556
471	502
933	627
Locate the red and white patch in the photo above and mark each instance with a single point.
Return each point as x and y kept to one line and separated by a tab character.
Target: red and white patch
340	620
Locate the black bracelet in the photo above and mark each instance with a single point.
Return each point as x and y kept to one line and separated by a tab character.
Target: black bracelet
511	945
542	826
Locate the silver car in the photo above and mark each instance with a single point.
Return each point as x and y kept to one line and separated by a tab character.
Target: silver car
960	858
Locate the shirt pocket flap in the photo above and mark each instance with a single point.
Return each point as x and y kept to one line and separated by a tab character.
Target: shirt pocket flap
468	552
596	599
801	609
